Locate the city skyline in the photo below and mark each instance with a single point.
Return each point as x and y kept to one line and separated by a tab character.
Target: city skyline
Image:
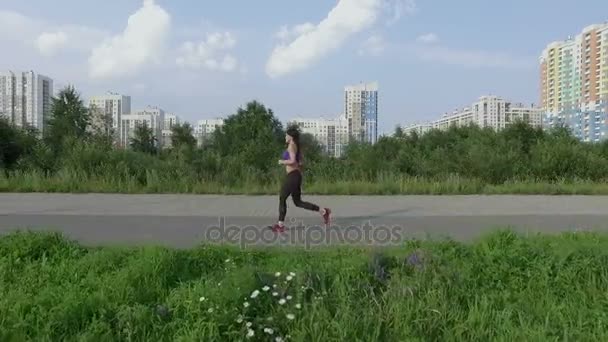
358	121
428	56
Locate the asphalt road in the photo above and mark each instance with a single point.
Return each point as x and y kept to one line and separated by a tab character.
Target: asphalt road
188	220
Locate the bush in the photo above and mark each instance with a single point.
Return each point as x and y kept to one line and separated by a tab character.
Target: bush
243	154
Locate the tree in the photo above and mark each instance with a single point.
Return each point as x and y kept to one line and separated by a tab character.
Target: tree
69	119
399	132
101	127
311	146
15	143
10	149
143	139
182	135
523	135
412	138
253	135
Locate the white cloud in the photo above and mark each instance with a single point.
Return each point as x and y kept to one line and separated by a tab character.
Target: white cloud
401	7
345	19
428	38
16	27
141	43
286	34
47	38
470	58
50	42
310	43
373	46
209	53
83	38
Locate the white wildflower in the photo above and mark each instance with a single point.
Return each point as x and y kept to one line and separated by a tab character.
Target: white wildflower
289	278
292	274
274	286
202	299
278	339
268	331
298	306
289	297
265	288
274	294
291	317
281	301
255	294
210	310
250	333
278	274
246	304
248	324
227	260
239	320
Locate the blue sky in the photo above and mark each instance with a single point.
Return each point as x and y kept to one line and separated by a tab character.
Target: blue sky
202	59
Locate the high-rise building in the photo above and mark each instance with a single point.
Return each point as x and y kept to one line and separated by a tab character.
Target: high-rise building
26	98
170	121
205	128
574	83
151	117
331	134
111	107
361	111
489	111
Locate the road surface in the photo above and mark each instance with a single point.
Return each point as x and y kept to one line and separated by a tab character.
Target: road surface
185	221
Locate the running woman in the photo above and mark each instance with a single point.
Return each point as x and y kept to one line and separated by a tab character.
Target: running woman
292	185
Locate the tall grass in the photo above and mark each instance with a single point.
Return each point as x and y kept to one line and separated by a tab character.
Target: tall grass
67	181
503	287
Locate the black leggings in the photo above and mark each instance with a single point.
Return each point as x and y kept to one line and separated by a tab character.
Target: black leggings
293	186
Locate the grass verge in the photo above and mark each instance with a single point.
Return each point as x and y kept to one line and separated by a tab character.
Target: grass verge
68	182
503	287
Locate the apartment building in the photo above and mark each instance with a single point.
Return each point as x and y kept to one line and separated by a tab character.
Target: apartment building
488	111
574	83
26	98
331	134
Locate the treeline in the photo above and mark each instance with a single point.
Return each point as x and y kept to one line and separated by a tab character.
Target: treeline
246	149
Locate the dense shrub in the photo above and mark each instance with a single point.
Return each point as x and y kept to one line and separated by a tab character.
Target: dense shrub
246	149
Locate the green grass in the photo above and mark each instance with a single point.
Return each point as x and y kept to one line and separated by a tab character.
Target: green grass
504	287
70	182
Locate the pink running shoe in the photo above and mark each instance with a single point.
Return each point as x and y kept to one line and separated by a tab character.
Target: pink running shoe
276	228
326	216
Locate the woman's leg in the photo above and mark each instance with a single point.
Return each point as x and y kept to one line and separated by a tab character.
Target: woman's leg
296	194
284	194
